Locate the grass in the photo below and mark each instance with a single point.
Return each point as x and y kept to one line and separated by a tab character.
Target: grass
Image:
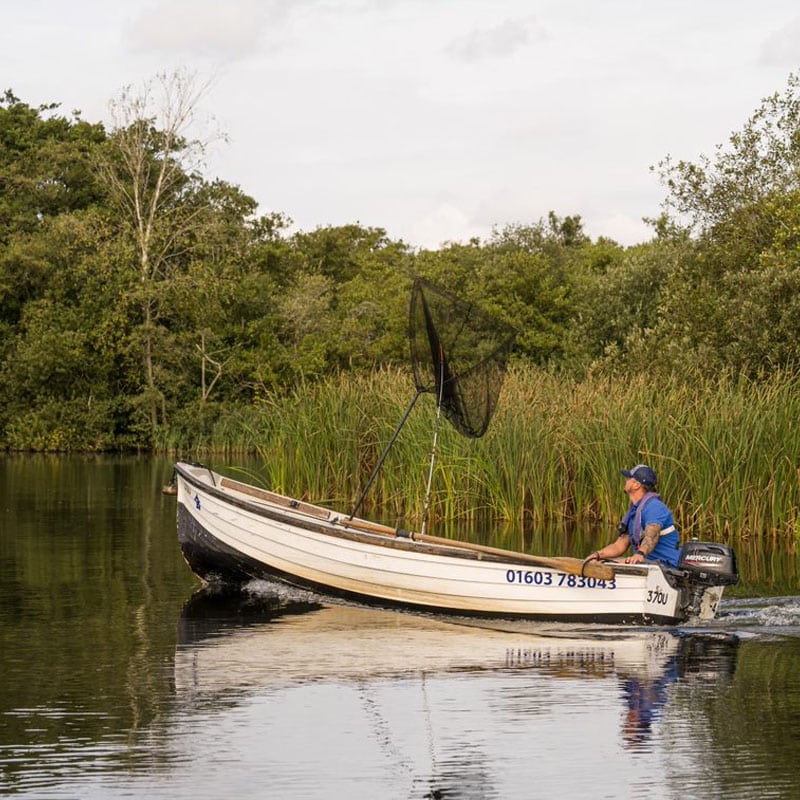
727	451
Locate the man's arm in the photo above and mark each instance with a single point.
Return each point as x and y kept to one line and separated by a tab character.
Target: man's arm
613	550
649	541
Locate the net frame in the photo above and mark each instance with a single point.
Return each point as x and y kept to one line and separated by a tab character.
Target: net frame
458	352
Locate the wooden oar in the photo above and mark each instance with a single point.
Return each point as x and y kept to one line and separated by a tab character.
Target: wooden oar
571	566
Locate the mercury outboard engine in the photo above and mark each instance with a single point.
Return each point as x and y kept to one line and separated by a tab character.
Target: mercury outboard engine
707	564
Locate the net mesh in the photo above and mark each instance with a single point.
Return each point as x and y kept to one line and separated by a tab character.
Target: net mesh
459	353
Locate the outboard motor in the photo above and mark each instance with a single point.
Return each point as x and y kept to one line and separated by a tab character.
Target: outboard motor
706	564
709	563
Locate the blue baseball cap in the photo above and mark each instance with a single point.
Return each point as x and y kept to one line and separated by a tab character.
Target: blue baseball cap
641	473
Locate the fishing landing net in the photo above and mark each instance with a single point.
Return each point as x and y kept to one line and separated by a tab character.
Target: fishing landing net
458	353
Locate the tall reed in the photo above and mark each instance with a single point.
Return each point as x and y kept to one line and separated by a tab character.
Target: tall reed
727	451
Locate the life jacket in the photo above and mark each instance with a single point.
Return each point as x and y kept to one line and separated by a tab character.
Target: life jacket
634	515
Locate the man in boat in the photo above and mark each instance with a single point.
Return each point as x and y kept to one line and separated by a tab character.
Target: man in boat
647	526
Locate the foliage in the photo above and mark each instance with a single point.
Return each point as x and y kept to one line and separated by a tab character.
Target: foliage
46	165
144	305
733	302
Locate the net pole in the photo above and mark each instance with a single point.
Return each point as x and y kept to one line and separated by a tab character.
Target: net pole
427	508
383	455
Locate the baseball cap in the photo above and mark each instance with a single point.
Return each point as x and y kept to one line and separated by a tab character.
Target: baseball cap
641	473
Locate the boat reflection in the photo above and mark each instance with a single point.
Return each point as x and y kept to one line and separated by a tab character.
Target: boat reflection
438	700
271	637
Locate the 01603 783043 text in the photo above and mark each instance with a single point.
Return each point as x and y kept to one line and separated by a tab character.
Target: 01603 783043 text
556	580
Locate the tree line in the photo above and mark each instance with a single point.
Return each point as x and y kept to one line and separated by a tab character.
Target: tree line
136	293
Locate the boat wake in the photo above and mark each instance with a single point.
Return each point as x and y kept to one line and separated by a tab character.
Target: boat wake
273	591
760	616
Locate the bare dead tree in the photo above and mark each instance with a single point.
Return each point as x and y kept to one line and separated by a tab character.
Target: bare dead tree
157	152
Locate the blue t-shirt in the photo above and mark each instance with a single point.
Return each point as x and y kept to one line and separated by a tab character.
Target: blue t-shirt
655	512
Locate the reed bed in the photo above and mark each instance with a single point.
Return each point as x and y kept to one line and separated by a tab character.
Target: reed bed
727	450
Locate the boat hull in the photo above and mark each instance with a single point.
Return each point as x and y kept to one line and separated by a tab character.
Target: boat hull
233	532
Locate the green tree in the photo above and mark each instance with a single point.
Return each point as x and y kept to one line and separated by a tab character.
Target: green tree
524	275
45	164
619	299
734	301
344	301
63	375
137	304
45	170
49	201
172	219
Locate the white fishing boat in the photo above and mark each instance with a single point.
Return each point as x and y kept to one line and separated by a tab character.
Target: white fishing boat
233	531
237	531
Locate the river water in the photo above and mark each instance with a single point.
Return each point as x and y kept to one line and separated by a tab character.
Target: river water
120	678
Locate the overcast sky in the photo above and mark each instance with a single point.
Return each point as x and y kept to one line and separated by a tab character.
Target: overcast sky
434	119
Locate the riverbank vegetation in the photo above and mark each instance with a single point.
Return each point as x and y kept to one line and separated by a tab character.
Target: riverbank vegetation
146	307
727	450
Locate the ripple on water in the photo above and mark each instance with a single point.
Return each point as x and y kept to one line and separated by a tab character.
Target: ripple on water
761	615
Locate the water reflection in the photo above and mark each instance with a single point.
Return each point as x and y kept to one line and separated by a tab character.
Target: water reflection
267	637
705	657
113	685
454	708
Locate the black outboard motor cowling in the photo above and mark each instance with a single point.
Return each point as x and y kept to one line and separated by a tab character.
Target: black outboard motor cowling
709	563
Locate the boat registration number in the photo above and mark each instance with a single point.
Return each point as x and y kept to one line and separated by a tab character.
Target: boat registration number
534	578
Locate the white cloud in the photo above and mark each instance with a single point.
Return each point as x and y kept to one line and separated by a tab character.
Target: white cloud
344	110
498	41
444	223
782	47
622	228
203	28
